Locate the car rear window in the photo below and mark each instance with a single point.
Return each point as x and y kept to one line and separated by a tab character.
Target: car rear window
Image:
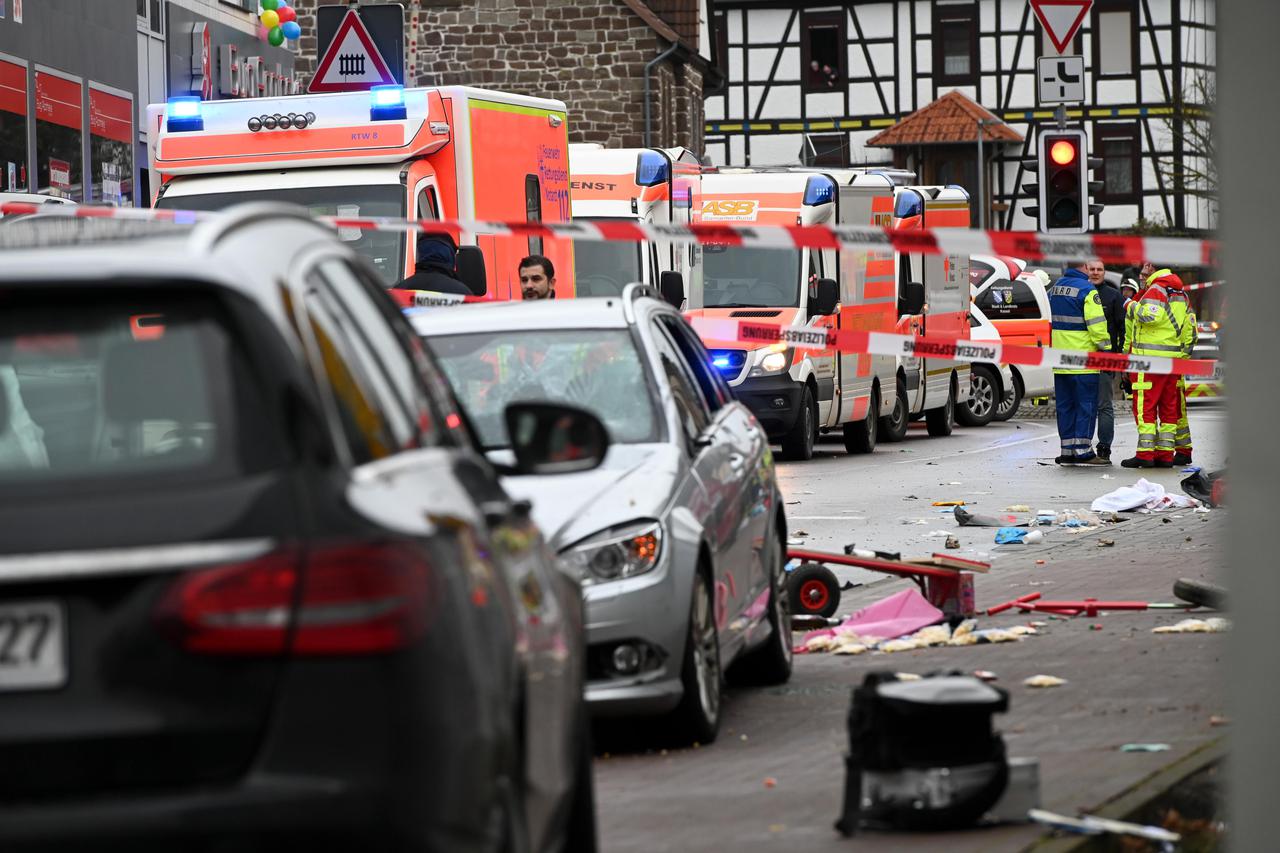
125	384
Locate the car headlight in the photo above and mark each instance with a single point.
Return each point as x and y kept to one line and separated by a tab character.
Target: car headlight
774	358
620	552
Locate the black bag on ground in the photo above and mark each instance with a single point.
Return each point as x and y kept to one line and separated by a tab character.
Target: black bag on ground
923	754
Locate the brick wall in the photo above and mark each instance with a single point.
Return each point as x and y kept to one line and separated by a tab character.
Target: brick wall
588	53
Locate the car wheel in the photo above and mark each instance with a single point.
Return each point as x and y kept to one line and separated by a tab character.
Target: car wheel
1011	401
861	437
697	717
814	590
580	833
798	442
893	426
941	420
981	407
771	663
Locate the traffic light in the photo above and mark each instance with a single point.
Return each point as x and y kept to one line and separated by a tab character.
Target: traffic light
1062	187
1064	181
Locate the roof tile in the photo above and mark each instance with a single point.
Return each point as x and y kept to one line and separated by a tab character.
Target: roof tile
953	118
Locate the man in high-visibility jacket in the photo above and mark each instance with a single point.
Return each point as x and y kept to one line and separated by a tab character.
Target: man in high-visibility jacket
1187	319
1157	331
1078	323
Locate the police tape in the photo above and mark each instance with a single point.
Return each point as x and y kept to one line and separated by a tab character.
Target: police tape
1110	248
950	349
1203	284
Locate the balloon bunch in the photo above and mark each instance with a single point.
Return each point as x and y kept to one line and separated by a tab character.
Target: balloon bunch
280	21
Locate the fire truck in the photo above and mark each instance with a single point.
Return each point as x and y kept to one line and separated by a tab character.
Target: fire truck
643	185
419	153
799	393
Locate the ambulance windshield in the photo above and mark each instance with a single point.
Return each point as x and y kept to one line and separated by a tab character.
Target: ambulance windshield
604	269
740	277
384	249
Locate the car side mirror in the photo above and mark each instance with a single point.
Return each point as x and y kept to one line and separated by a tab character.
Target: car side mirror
911	300
549	438
824	298
671	285
471	269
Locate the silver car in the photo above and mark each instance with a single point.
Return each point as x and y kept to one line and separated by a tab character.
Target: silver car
678	538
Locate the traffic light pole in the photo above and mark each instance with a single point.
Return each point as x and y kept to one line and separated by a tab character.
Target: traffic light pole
1060	114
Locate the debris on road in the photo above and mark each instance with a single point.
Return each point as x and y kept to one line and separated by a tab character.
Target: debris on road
1018	536
985	675
1044	681
952	543
973	519
770	782
1089	825
948	503
1208	489
1212	625
1106	543
1217	720
1017	508
1145	747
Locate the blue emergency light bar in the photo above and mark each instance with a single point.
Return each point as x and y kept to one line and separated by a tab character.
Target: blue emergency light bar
388	103
183	114
652	169
720	361
819	189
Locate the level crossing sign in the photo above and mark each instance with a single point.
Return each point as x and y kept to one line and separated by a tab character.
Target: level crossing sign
1061	19
352	61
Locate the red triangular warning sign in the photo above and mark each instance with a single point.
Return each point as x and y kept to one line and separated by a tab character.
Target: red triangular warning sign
1061	19
352	61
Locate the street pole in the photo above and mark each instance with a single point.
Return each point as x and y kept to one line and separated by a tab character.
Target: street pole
982	204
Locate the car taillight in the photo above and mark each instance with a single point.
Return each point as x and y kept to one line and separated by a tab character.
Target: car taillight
350	599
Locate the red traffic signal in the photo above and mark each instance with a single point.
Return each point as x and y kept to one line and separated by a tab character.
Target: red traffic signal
1062	152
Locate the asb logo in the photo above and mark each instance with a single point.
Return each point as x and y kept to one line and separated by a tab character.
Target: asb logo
729	209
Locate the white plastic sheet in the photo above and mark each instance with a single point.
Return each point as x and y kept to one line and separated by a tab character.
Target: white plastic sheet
1143	494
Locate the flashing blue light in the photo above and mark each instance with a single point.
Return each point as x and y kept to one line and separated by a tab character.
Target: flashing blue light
819	189
721	361
908	203
652	168
183	114
388	103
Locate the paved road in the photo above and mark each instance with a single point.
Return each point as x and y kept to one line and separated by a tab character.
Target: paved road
1125	684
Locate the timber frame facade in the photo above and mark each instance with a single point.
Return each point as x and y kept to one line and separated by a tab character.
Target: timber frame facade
826	77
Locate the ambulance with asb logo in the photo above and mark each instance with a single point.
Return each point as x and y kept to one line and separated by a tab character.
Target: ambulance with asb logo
643	185
798	393
423	153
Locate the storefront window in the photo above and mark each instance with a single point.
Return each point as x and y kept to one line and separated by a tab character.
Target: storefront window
59	136
13	126
110	148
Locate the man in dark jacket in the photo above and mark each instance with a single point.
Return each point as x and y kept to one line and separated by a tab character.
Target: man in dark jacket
434	269
1113	310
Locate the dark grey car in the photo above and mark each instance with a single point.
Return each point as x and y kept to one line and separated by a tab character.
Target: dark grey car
678	538
257	588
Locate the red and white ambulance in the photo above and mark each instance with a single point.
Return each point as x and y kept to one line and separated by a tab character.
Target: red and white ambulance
642	185
421	153
798	393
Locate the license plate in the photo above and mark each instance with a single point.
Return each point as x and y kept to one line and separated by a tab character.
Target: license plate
32	646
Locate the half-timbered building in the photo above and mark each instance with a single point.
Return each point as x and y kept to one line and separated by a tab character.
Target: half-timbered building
869	82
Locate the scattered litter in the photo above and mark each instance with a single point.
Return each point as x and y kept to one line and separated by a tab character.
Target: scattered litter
1203	509
948	503
792	503
906	676
1038	624
1017	508
1095	627
938	534
984	675
1216	720
1089	825
900	646
899	614
770	782
1166	520
1106	543
915	521
794	541
1212	625
1018	536
911	498
742	737
1107	477
996	635
1145	747
955	483
1077	518
1040	562
802	533
972	519
1141	495
849	648
1044	681
1046	517
1191	469
952	543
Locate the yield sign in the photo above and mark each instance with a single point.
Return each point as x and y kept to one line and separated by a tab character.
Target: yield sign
352	61
1061	19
